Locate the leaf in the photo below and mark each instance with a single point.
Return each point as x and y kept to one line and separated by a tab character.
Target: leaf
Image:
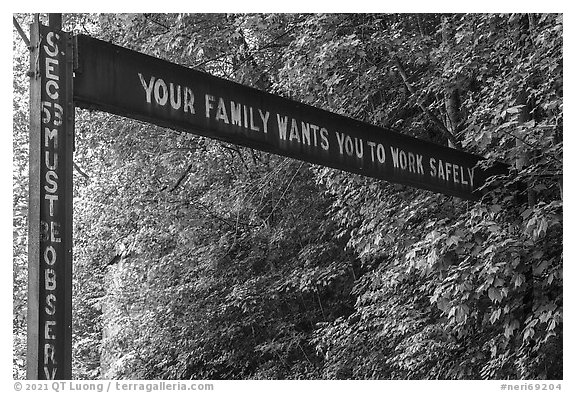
495	315
509	328
443	304
542	227
552	324
519	280
495	294
452	240
462	313
528	333
541	267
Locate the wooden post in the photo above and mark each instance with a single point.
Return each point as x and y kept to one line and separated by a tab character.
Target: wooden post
49	352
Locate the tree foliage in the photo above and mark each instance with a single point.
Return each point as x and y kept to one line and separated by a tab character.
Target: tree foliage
20	120
199	259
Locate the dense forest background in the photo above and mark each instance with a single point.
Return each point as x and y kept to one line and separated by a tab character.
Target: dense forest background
198	259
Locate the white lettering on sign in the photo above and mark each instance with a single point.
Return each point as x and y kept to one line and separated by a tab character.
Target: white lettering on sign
352	147
294	133
380	152
308	134
161	92
407	161
236	114
50	374
50	226
52	89
175	96
264	118
188	100
50	67
147	87
50	304
48	332
451	173
221	113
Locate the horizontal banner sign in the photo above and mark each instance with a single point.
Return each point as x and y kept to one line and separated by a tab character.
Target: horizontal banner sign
135	85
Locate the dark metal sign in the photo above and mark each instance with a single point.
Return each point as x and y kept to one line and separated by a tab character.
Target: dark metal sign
135	85
50	205
132	84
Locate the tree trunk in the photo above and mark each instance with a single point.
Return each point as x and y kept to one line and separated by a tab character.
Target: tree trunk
452	141
451	91
452	104
522	160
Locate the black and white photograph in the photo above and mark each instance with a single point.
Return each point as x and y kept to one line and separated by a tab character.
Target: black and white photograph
287	196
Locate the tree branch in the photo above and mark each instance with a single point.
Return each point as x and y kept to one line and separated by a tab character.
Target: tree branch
206	209
21	32
182	177
269	45
80	171
147	17
284	192
239	153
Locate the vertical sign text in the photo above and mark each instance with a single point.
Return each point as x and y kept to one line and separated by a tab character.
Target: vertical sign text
50	244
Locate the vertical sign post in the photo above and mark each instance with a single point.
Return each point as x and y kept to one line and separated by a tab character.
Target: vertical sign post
49	353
